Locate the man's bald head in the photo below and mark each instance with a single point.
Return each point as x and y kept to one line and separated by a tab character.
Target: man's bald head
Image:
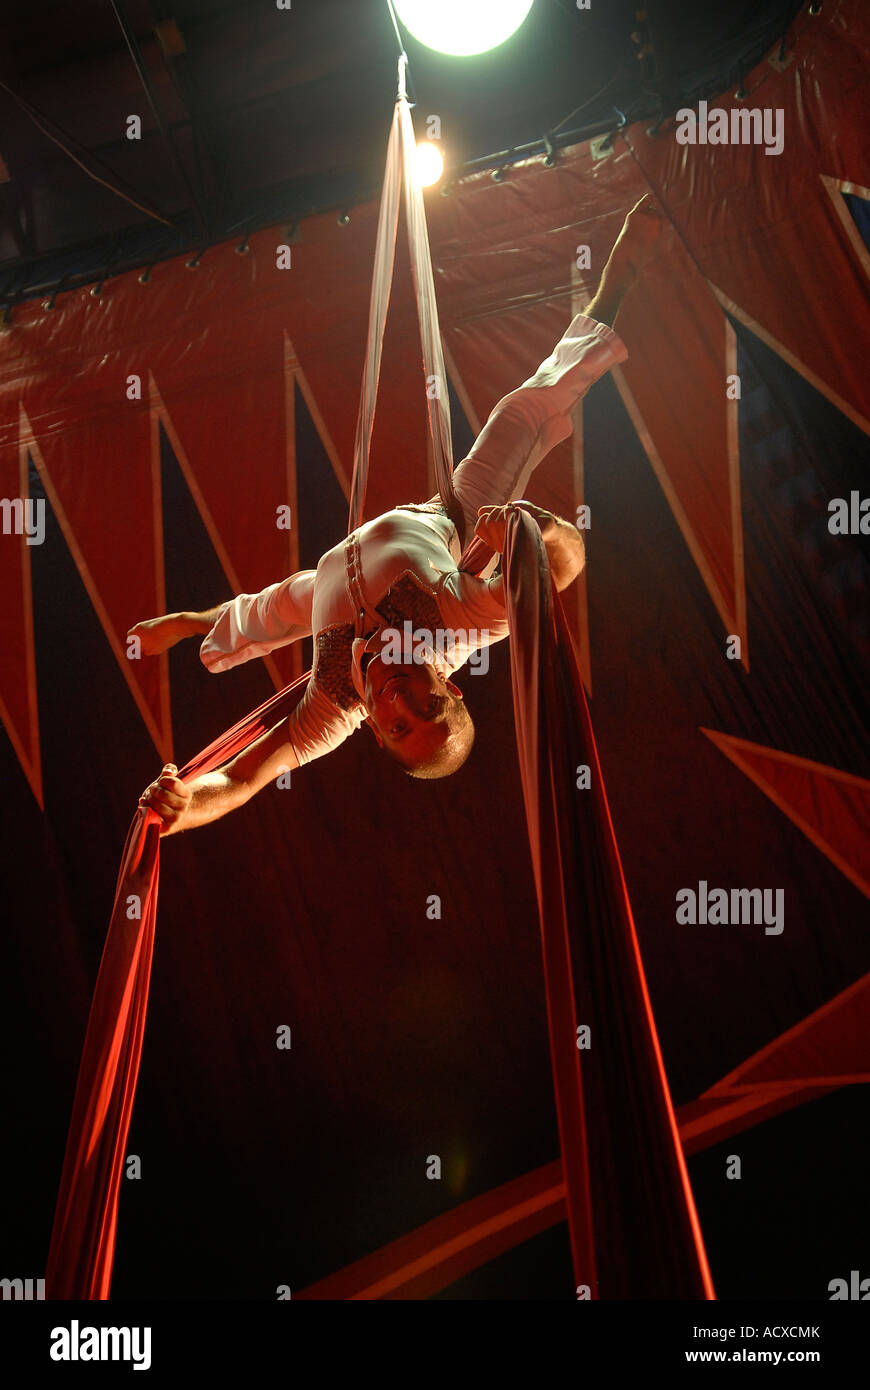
448	756
418	717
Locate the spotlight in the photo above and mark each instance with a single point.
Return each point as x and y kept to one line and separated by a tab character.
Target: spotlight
461	28
428	164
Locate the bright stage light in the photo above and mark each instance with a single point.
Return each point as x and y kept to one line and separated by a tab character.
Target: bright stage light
462	27
428	164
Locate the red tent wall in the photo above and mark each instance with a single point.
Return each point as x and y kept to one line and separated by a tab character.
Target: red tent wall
678	533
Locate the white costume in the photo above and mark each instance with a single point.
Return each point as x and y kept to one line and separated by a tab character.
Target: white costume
406	560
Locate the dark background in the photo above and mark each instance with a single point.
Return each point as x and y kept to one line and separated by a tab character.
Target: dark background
267	115
410	1036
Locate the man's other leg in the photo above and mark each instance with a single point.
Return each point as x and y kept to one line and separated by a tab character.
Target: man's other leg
240	628
527	423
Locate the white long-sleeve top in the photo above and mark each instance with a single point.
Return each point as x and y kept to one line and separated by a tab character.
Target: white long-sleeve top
422	546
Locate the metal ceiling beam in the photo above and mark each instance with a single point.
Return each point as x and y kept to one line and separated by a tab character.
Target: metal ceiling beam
138	62
86	161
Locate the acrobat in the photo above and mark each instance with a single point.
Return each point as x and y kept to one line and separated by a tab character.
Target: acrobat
398	574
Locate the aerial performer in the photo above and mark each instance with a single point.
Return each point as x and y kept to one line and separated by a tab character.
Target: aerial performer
397	577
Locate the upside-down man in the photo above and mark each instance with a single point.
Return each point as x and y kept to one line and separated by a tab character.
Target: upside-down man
398	573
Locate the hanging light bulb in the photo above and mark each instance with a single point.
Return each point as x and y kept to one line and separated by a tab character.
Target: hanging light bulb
428	164
462	27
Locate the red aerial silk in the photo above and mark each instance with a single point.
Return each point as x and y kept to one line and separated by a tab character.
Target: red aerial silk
83	1236
634	1230
631	1215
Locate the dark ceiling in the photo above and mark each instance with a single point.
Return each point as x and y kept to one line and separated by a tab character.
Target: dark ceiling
252	115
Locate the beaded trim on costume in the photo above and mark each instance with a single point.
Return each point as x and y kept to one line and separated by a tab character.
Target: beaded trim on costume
410	598
332	660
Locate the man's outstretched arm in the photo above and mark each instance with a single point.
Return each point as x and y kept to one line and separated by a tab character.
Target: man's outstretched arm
313	728
182	806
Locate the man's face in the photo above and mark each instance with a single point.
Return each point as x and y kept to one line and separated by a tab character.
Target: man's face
408	705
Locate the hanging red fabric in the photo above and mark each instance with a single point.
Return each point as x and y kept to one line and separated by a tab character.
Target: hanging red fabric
631	1215
400	165
634	1230
81	1249
82	1246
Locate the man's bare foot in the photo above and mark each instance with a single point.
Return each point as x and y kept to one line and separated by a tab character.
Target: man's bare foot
636	243
159	634
633	248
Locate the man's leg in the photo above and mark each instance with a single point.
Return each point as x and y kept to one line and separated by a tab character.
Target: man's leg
632	249
246	626
527	423
157	635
